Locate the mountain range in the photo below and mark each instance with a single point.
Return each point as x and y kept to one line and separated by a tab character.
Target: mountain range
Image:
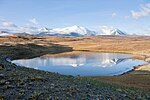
67	31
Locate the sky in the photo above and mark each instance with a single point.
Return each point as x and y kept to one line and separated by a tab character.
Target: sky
131	16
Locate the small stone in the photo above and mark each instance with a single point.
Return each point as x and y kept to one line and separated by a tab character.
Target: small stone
7	82
2	67
88	85
124	95
2	82
1	97
9	86
8	69
1	76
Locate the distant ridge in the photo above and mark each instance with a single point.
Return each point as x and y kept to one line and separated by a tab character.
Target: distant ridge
74	31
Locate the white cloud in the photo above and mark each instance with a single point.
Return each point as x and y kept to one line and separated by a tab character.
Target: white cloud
28	29
106	29
114	14
33	21
8	24
11	27
143	12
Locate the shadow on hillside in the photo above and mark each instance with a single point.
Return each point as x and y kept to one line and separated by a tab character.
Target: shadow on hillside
32	50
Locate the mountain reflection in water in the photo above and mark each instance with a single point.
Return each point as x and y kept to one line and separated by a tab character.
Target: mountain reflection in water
105	64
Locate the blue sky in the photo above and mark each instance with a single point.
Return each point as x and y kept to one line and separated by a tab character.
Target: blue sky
132	16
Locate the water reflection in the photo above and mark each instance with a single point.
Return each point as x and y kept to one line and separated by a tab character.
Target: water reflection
85	65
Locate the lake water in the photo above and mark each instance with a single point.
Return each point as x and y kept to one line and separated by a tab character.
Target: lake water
99	64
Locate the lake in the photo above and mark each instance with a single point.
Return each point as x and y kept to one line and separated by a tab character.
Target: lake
98	64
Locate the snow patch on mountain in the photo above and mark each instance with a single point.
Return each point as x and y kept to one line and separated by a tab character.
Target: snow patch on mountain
74	29
45	29
111	31
67	31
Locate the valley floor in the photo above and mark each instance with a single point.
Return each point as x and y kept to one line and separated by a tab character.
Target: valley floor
19	82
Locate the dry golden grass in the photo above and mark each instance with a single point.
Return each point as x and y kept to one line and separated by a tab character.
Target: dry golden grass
73	53
144	68
135	45
136	79
119	44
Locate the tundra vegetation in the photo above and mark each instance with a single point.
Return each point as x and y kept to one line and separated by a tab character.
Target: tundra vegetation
18	82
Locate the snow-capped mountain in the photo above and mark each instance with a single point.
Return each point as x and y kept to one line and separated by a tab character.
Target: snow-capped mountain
67	31
117	32
74	29
23	34
80	31
111	31
4	32
45	29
